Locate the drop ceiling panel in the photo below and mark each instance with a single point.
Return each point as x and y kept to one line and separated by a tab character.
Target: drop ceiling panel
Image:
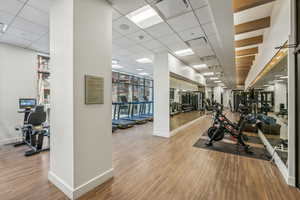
11	6
123	42
11	39
159	30
127	6
139	36
152	44
198	3
43	5
191	33
204	15
170	39
177	46
115	14
34	15
137	49
172	8
124	26
160	50
210	29
23	34
116	35
183	22
30	27
203	51
6	17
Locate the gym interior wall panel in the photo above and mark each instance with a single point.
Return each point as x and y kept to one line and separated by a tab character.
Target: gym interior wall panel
17	80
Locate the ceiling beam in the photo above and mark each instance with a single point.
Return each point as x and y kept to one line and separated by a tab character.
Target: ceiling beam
253	25
249	41
240	5
243	63
246	52
245	58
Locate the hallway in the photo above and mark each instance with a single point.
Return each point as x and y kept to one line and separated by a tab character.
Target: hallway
148	167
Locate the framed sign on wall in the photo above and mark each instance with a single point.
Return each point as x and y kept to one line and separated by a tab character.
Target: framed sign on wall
94	89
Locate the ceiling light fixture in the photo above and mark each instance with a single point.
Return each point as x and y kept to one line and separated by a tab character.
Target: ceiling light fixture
143	74
184	52
117	66
114	62
214	78
144	60
208	74
284	77
201	66
3	27
144	17
217	81
139	69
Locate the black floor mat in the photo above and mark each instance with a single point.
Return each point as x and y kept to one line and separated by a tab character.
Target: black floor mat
258	153
252	139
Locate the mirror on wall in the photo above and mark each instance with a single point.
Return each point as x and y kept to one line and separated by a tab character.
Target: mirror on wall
272	107
186	102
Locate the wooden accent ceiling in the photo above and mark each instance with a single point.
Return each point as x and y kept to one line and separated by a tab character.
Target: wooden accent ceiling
246	52
249	41
240	5
253	25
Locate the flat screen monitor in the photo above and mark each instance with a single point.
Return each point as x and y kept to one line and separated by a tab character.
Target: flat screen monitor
27	103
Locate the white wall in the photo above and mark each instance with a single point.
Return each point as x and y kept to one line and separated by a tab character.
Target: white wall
273	37
17	80
177	67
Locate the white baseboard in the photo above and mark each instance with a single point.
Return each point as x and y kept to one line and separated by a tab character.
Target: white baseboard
175	131
161	134
10	140
82	189
292	181
279	163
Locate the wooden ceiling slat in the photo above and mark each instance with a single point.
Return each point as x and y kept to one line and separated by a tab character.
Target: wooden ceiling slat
246	52
240	5
245	58
249	41
253	25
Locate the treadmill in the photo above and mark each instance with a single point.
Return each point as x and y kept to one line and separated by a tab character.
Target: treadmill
116	121
144	112
130	114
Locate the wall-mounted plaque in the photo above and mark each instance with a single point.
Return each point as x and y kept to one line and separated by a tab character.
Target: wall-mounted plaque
94	89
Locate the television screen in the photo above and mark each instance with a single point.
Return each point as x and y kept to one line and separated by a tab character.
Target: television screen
27	103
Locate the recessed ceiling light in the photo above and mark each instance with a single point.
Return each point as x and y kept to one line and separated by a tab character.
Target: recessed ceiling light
139	69
208	74
117	66
143	74
144	60
284	77
202	66
279	80
184	52
214	78
3	27
218	81
144	17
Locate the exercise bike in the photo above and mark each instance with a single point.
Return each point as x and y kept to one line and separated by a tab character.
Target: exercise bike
222	125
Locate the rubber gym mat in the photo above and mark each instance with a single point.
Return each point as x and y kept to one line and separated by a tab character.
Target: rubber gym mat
252	139
258	153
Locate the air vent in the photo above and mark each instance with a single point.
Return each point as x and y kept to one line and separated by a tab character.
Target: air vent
196	42
208	58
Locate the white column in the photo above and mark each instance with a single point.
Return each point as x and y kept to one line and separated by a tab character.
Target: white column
161	75
280	95
81	139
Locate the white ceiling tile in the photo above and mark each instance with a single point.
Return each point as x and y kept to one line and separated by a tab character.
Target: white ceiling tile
123	42
198	3
159	30
139	36
23	34
191	33
170	39
152	44
11	6
210	29
28	26
137	49
115	14
127	6
124	26
183	22
43	5
160	50
6	17
11	39
171	8
34	15
203	51
116	35
204	15
177	46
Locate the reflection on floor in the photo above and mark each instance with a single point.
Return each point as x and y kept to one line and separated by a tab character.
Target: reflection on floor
154	168
183	118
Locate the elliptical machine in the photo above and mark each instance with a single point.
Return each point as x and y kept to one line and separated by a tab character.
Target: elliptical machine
222	125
